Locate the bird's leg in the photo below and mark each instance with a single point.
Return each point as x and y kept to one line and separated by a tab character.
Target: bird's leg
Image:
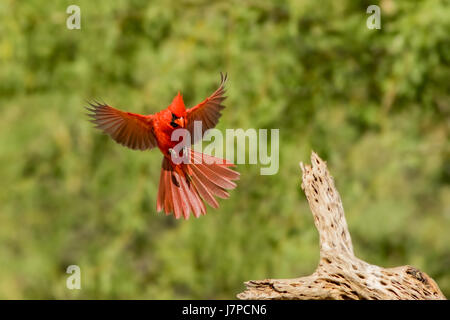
185	152
184	158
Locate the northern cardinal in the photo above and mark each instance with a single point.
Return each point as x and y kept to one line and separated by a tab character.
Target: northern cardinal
181	186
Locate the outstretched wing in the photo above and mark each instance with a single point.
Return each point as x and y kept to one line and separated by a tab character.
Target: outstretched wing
131	130
208	111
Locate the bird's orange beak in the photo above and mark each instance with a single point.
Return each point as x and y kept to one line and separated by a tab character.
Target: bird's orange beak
180	122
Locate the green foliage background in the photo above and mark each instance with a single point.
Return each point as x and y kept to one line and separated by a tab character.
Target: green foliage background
374	103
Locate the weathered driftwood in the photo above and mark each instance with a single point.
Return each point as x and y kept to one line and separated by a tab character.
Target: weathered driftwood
340	275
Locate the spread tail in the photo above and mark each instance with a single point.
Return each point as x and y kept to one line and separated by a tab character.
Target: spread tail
184	188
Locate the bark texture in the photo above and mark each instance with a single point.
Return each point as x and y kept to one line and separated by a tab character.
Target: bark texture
340	275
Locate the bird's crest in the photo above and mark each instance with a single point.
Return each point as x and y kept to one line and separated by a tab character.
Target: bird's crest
177	106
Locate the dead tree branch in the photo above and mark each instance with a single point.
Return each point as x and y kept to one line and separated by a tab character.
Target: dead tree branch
340	275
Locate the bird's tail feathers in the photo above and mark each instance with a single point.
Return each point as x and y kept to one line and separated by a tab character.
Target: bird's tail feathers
184	188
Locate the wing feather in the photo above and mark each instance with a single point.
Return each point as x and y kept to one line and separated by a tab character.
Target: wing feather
208	111
131	130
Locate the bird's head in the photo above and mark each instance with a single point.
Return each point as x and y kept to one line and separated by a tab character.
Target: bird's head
178	110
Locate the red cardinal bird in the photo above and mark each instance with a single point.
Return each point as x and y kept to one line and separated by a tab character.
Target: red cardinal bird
181	186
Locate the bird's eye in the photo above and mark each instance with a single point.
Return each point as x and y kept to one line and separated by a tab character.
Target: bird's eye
174	117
